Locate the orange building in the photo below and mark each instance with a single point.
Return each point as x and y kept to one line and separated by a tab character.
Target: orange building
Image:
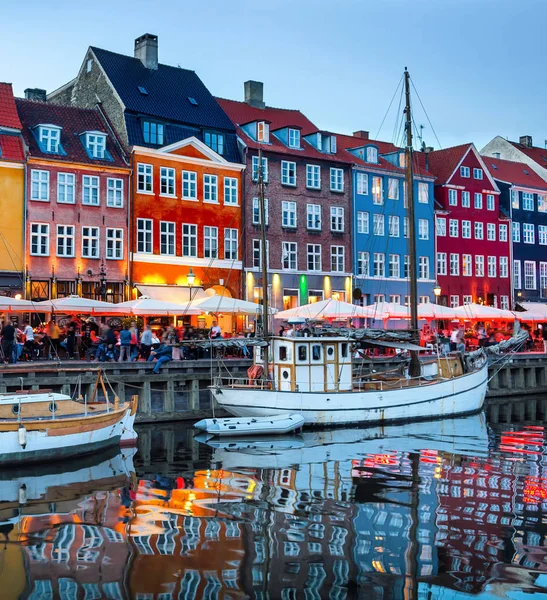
186	219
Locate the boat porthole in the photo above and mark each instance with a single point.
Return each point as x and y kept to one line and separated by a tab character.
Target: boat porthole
330	351
15	409
285	374
53	407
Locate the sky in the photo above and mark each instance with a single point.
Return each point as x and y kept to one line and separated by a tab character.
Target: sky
478	65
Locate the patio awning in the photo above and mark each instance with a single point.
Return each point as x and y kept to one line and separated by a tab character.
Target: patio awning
222	304
388	310
428	310
172	293
77	305
481	311
328	309
8	304
145	306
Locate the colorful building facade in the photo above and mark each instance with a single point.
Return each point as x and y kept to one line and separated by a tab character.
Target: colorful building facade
472	233
77	204
12	196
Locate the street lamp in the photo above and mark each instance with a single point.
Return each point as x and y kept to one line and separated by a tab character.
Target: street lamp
190	278
437	292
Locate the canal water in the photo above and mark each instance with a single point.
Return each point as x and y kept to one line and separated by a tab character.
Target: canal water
438	510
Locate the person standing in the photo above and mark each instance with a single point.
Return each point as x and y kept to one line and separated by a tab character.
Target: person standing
8	342
146	342
216	331
134	341
125	344
544	336
29	340
53	333
71	339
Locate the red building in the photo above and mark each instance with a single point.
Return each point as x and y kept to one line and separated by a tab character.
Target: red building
77	203
472	234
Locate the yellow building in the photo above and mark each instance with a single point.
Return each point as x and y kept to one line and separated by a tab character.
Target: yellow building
12	196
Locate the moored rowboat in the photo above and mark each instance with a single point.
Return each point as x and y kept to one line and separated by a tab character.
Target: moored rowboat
278	424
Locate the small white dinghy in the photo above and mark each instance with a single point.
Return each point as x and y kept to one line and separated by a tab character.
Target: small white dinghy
276	424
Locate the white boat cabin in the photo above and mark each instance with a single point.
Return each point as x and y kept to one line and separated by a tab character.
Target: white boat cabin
309	364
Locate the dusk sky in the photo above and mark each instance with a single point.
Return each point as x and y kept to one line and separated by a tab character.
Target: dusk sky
478	65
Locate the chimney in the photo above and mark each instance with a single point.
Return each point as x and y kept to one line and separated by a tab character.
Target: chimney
254	93
525	140
36	94
361	134
146	50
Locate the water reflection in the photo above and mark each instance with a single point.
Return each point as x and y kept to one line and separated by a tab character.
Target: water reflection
429	511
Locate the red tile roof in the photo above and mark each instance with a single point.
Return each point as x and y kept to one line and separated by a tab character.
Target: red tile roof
442	163
74	121
11	148
538	155
514	172
8	111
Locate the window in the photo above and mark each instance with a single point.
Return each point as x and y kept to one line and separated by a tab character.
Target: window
542	235
288	214
337	259
215	141
363	264
515	203
231	191
379	264
490	202
478	200
313	177
492	264
423	267
406	267
144	236
423	193
167	181
504	266
466	229
189	240
362	183
66	188
114	193
294	138
441	226
190	185
529	274
393	188
517	283
96	145
230	244
527	201
144	178
379	298
467	299
378	224
90	242
479	231
257	253
393	226
377	191
542	203
263	132
479	265
337	219
394	265
210	242
90	190
152	133
257	220
65	240
314	257
491	232
362	222
477	173
516	232
289	256
454	264
466	200
210	188
453	231
49	138
372	155
528	233
454	301
441	263
405	226
464	172
114	243
39	185
453	197
467	265
288	173
504	302
542	278
336	180
503	233
254	169
423	229
167	238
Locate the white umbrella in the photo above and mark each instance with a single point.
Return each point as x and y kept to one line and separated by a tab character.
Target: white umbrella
428	310
15	305
482	312
222	304
147	306
388	310
326	309
537	308
77	305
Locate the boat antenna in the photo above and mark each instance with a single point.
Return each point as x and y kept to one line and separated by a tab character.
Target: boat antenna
264	256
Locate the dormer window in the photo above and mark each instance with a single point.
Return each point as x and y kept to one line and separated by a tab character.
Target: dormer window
49	137
263	132
215	141
327	143
152	133
294	138
402	160
372	154
95	144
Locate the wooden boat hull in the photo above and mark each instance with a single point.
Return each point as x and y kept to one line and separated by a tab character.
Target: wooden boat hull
458	396
276	425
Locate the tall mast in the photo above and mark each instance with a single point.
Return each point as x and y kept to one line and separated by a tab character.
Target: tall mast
412	261
264	255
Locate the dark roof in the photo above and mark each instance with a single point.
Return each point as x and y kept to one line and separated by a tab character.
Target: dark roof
168	89
8	112
513	172
442	163
74	121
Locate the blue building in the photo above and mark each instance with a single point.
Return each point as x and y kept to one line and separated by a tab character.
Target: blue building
380	223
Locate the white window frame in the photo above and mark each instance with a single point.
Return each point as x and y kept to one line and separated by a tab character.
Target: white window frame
114	192
517	274
503	232
452	197
289	215
441	263
114	243
231	243
145	236
210	241
91	237
210	188
254	168
466	199
423	192
423	267
372	154
454	228
336	179
293	138
263	132
378	191
363	222
504	267
257	253
289	256
492	266
96	144
50	138
479	265
91	185
39	185
454	265
337	259
288	173
440	223
490	202
454	301
515	199
423	229
363	264
528	201
256	217
314	257
189	185
337	219
467	265
504	303
393	188
477	201
189	240
479	230
542	278
394	228
168	238
515	232
66	188
379	265
530	280
528	233
465	172
378	224
394	266
145	178
466	229
477	173
168	182
361	181
491	232
313	177
231	191
66	237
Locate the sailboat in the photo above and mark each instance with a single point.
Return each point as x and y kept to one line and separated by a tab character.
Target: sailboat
314	376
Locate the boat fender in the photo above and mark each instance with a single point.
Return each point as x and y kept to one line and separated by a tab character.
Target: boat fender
23	494
22	434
